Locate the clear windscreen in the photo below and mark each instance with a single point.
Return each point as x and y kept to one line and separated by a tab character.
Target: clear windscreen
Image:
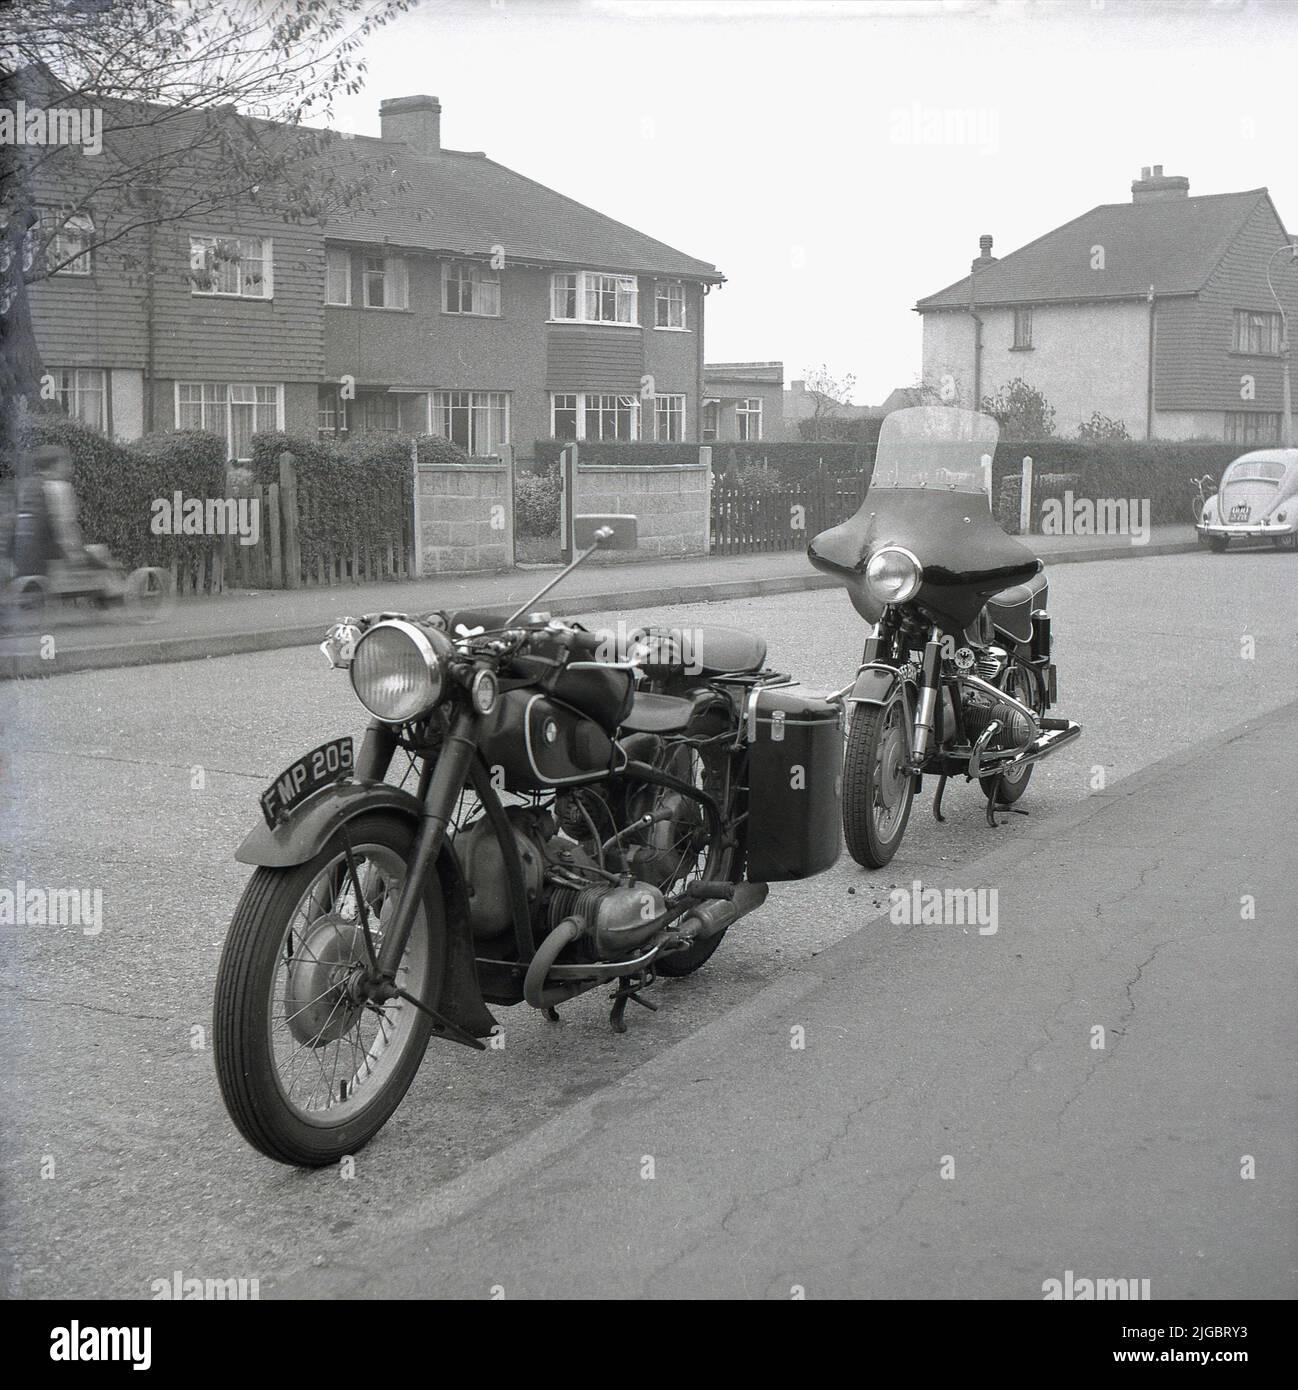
936	446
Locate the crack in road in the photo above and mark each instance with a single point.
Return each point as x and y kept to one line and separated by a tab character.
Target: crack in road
89	1008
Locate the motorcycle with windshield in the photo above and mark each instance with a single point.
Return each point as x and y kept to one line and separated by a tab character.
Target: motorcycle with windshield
587	809
957	677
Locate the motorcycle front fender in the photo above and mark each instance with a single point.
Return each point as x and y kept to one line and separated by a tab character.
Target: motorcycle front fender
310	827
875	685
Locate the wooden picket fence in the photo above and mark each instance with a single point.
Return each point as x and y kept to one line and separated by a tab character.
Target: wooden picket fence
746	522
277	561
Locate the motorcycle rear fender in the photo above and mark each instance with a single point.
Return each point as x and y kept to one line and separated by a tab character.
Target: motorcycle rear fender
306	831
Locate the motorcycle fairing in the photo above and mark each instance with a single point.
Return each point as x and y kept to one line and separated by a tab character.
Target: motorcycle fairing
310	827
965	556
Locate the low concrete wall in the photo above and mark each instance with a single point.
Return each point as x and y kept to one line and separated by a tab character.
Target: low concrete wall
672	503
465	517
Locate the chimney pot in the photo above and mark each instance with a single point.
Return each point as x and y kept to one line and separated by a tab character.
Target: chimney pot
985	257
415	121
1158	171
1144	173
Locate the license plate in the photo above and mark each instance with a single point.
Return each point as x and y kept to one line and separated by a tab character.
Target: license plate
1239	512
312	771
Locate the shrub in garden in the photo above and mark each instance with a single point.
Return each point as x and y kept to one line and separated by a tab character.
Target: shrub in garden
536	503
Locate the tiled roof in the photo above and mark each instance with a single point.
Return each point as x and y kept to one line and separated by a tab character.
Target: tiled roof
1172	244
467	204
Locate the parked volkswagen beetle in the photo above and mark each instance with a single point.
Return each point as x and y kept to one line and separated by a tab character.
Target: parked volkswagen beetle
1257	500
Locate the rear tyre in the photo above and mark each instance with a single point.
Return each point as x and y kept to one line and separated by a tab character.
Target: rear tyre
308	1074
877	792
1005	788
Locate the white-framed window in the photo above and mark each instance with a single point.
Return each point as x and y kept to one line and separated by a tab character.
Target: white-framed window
669	304
332	414
711	420
1257	332
232	412
595	415
669	419
468	288
589	296
478	421
748	419
1253	427
386	284
338	276
83	394
238	266
67	238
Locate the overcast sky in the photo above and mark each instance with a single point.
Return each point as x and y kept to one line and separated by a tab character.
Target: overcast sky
838	161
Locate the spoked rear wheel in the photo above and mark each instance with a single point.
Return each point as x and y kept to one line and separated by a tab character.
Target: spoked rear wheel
309	1069
877	790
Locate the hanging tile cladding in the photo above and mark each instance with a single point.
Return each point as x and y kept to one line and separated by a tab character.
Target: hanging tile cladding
1196	366
582	357
228	339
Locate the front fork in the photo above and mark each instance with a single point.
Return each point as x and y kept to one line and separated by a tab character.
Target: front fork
930	687
449	776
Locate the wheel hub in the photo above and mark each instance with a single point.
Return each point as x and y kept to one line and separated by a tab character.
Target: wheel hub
892	758
322	1000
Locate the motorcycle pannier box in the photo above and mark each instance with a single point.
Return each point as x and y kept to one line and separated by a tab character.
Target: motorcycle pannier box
795	783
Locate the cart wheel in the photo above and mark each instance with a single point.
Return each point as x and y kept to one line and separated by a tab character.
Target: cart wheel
27	594
147	593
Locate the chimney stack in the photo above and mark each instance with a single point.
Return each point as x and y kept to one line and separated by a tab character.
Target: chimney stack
985	257
414	121
1153	186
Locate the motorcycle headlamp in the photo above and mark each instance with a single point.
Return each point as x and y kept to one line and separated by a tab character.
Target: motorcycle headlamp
893	575
399	670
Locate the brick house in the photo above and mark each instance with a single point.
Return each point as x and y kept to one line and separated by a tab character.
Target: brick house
473	303
1154	312
743	402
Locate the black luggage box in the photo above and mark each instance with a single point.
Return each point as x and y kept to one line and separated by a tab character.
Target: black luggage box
795	782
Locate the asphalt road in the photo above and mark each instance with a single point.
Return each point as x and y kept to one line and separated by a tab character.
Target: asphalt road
120	1164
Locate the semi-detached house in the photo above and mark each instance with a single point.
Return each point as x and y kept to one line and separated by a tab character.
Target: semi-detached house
470	302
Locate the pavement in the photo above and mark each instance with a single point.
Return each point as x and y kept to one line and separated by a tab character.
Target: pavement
267	620
780	1151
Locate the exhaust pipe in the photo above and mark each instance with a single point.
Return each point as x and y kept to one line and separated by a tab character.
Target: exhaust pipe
711	918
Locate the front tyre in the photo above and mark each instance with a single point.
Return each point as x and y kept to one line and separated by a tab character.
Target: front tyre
877	790
308	1069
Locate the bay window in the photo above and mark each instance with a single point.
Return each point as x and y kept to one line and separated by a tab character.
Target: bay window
231	412
478	421
591	297
595	415
82	394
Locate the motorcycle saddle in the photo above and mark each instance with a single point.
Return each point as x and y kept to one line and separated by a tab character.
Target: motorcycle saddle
700	651
1012	609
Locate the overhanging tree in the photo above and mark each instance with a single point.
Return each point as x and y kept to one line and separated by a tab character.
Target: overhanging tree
204	108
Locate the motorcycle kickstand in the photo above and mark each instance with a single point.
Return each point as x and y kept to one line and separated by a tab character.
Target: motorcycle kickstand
628	988
937	799
993	806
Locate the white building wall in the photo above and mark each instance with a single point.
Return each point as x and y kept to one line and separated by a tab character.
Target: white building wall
1084	358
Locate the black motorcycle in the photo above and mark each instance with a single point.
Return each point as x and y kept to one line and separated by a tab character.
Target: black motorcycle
587	809
957	676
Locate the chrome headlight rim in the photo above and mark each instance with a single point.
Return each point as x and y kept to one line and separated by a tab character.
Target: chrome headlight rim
917	575
434	666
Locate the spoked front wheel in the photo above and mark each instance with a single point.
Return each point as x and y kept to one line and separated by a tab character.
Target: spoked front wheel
877	790
310	1070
